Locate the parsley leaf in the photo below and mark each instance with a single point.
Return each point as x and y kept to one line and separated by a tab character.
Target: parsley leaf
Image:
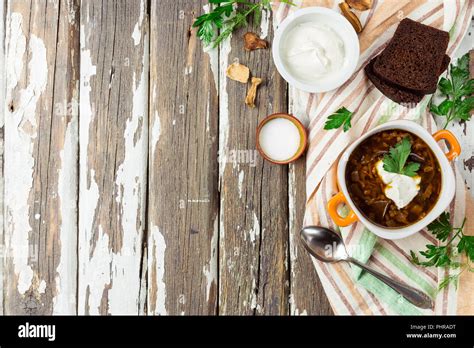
441	227
341	117
466	244
410	169
226	16
437	256
441	255
395	160
457	88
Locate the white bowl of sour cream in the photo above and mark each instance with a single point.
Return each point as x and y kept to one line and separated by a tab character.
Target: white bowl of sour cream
315	49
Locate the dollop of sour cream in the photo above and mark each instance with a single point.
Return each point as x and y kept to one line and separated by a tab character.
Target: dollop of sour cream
313	51
401	189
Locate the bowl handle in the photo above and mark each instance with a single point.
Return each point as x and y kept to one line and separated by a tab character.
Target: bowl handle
333	203
454	147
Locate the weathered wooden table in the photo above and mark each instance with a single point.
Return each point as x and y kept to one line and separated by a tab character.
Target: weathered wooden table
131	181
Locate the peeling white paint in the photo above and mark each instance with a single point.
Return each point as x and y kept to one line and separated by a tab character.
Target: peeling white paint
65	280
208	111
254	233
264	24
156	127
225	49
88	196
94	271
208	275
188	70
71	13
21	127
223	107
240	182
253	294
98	275
38	65
292	216
156	240
294	310
155	132
16	47
42	287
2	120
210	270
130	187
106	273
213	54
222	255
137	35
253	298
25	275
156	252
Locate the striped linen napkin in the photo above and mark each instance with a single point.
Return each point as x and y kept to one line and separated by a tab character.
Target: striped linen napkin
349	290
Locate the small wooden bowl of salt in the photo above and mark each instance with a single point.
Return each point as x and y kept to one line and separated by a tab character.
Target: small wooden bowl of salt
281	138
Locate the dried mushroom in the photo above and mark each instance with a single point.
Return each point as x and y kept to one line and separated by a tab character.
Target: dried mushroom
238	72
351	16
360	5
253	42
252	93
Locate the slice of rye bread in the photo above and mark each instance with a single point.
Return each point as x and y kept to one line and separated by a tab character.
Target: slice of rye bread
413	57
398	95
445	64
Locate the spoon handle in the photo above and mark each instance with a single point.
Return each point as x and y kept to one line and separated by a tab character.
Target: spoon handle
418	298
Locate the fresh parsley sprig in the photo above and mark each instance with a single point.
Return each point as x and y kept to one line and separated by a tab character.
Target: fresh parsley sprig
442	255
226	16
395	160
458	89
208	23
342	117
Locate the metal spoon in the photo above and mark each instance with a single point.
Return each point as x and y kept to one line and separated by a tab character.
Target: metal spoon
328	246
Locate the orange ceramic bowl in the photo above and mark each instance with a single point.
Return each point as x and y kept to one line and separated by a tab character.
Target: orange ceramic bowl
446	195
301	129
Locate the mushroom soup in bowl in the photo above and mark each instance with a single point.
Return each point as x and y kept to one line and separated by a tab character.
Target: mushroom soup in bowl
395	179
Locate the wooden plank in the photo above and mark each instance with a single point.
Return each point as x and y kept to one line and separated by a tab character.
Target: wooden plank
183	196
113	155
41	156
2	129
307	294
253	234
